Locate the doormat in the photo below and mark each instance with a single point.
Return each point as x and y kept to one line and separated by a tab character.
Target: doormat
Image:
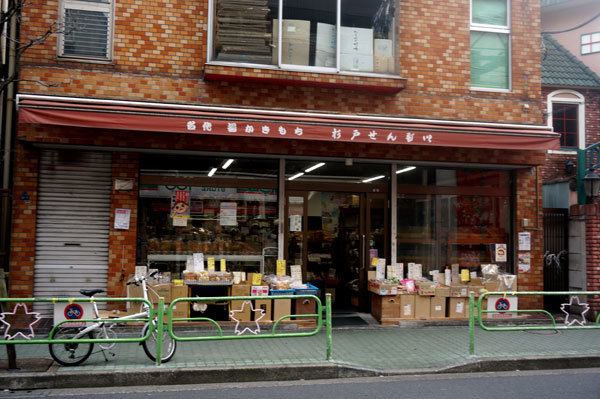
348	321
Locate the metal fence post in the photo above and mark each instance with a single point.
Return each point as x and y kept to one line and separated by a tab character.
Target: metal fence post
471	325
328	324
159	329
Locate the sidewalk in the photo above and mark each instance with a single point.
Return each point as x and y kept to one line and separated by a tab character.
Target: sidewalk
357	351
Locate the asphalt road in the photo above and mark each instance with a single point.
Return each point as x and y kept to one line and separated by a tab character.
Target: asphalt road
552	384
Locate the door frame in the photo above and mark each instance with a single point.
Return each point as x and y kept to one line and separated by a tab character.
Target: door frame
367	193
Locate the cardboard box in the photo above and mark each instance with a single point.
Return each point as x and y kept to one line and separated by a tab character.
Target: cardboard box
266	306
179	291
425	287
476	290
160	290
181	310
505	303
438	307
245	310
381	288
492	286
326	48
295	42
457	308
281	307
383	47
385	307
422	307
240	290
384	64
442	291
458	290
259	290
407	306
305	306
476	281
356	41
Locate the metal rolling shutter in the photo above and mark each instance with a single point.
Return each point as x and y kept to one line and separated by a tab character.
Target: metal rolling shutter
73	217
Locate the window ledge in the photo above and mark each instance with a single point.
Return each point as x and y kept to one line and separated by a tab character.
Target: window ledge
364	82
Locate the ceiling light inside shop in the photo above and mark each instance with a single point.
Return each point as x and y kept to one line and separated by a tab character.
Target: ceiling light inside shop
297	175
407	169
227	164
373	178
212	172
314	167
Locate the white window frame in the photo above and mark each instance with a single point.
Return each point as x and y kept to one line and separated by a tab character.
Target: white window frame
476	27
86	6
581	43
571	97
290	67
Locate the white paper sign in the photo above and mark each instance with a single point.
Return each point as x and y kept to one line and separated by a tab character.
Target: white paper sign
524	241
501	255
295	222
380	269
198	262
122	217
415	271
228	214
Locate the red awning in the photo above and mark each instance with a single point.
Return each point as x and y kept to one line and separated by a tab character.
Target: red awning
344	128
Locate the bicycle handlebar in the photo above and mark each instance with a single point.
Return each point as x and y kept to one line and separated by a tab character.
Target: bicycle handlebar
138	279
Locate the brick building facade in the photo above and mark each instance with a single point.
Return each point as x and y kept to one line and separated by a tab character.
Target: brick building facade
158	68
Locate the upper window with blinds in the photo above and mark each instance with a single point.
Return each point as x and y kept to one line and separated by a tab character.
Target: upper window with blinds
86	29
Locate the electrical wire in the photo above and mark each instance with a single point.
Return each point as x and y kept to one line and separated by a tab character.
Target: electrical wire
574	28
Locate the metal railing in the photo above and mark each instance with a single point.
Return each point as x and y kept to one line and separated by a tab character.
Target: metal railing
322	317
476	313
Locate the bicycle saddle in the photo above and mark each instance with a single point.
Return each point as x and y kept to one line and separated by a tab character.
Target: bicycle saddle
90	293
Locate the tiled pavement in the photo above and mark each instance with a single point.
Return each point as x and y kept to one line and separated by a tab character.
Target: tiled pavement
373	347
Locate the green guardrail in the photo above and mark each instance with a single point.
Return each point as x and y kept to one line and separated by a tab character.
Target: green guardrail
160	312
318	315
477	316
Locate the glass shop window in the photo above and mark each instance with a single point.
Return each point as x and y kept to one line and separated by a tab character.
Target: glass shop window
335	35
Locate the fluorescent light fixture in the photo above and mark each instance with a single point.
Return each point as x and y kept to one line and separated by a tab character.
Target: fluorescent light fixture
314	167
407	169
227	163
212	172
297	175
373	179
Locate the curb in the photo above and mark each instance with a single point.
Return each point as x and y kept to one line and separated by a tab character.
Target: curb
54	379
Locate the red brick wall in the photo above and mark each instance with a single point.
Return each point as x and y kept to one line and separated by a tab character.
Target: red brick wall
122	243
160	51
24	211
591	214
529	206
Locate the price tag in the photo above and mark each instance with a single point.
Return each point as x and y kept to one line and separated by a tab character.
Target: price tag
256	279
374	261
223	265
210	263
464	275
281	267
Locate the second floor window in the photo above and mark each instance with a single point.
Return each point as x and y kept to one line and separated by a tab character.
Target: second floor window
590	43
564	121
312	35
87	26
490	44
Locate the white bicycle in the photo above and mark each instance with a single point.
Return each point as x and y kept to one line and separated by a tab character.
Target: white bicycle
72	354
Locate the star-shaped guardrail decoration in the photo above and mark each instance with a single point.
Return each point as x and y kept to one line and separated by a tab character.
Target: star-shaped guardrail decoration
256	319
572	308
19	312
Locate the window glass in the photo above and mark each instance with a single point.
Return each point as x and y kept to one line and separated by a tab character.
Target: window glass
438	229
564	121
489	12
309	35
489	60
87	29
590	43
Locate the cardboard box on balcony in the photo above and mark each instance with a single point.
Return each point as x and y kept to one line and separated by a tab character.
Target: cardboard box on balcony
295	42
325	51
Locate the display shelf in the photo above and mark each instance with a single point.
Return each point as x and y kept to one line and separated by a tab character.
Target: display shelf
208	283
230	258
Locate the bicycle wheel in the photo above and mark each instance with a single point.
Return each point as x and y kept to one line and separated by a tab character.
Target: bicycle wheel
168	345
106	333
70	354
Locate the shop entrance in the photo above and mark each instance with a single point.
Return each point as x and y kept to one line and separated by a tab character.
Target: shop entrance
334	235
